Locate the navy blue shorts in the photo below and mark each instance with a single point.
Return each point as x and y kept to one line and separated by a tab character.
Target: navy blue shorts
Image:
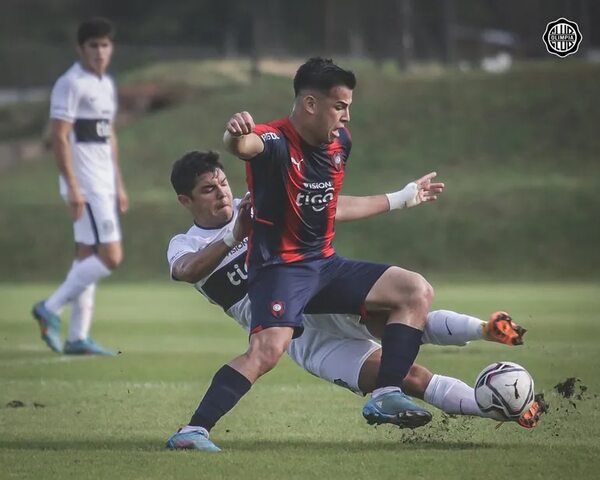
280	294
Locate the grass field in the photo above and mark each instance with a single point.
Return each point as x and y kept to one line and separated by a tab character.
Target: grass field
109	417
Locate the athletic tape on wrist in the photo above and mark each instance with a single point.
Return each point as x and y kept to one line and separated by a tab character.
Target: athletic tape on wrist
405	198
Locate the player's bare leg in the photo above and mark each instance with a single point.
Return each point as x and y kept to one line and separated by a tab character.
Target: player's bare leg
229	385
406	297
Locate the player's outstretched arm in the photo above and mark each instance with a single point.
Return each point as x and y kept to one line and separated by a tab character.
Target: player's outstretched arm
419	191
239	137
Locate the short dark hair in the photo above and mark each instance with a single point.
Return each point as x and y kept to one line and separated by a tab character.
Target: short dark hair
192	165
96	27
322	74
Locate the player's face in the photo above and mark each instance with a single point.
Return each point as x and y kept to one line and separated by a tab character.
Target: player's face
332	112
212	201
96	53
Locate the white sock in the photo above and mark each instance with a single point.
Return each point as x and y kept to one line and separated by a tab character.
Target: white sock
382	390
192	428
445	327
81	314
82	274
452	396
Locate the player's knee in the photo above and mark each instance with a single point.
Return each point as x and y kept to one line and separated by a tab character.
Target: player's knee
413	292
421	293
268	355
426	292
112	259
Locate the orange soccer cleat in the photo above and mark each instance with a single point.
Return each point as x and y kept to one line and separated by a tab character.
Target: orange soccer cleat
500	328
531	417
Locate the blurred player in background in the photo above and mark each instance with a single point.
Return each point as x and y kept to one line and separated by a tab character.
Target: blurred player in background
83	106
342	349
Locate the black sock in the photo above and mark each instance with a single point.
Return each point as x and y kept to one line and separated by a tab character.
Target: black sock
227	387
399	348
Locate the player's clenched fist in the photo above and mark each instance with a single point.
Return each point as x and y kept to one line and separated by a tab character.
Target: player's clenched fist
240	123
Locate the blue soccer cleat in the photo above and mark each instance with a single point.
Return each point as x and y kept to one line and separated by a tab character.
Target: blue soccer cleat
396	408
49	326
87	346
192	440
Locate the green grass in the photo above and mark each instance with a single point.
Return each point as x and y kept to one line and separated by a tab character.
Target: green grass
110	417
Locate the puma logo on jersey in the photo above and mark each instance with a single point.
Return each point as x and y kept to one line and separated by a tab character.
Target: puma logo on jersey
297	162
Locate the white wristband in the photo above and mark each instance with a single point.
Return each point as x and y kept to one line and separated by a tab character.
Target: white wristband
405	198
229	239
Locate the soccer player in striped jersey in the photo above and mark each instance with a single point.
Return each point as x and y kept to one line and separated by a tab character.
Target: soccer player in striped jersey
340	348
295	170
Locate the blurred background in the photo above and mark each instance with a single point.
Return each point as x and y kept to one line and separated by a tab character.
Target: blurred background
462	87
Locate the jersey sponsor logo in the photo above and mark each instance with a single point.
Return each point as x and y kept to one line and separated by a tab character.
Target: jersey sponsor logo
297	163
269	136
239	247
317	185
277	308
92	130
316	196
237	274
103	128
227	285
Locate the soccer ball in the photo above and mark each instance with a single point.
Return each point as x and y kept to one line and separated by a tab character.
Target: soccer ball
504	391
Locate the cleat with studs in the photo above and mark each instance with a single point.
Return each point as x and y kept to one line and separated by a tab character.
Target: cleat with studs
501	328
395	408
531	417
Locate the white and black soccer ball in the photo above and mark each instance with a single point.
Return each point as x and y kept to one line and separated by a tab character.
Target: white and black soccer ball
504	390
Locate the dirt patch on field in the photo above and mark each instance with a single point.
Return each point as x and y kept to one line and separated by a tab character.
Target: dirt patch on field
569	387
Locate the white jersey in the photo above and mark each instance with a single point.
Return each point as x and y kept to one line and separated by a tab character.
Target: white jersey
226	284
88	102
332	346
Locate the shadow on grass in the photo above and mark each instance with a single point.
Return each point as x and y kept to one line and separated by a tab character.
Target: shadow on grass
288	446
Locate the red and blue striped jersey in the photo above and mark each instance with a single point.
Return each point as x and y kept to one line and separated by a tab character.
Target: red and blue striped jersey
294	188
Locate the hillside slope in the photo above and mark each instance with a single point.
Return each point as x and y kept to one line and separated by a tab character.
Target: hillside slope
519	154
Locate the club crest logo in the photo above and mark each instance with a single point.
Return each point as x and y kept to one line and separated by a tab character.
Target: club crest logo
277	308
108	226
562	37
336	160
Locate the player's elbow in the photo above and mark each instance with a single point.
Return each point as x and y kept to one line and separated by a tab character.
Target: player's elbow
186	275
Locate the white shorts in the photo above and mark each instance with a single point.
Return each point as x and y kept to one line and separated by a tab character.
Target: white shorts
333	347
99	222
335	350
